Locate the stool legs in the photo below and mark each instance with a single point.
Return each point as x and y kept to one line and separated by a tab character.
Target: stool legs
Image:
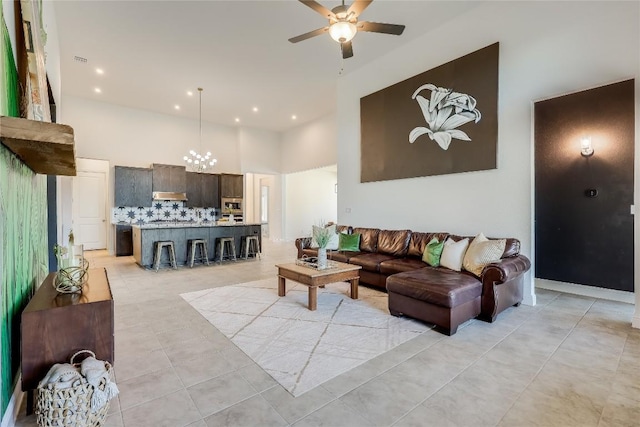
250	245
194	246
228	245
170	252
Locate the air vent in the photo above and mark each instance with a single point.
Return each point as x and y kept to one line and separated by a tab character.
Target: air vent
80	59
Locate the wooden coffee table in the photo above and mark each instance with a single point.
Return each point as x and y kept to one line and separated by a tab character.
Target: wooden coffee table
318	278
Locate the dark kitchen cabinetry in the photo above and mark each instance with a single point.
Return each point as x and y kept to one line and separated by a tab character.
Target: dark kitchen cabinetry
169	178
202	190
231	185
124	240
133	186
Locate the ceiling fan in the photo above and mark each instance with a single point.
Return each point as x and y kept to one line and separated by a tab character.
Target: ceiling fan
343	24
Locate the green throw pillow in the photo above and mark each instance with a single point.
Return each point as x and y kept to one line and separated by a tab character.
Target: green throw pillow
432	252
349	242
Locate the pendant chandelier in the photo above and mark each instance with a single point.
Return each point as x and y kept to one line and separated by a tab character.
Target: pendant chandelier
196	161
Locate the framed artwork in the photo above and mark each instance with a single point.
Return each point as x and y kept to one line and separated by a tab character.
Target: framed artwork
442	121
36	94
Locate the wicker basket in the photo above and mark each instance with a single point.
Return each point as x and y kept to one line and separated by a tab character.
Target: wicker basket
70	406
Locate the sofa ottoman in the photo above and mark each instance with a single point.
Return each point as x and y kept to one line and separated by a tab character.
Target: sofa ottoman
445	298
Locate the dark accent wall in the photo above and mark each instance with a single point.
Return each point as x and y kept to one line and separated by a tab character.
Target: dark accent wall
582	239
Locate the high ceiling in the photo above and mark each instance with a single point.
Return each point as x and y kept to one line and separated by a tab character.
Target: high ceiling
153	52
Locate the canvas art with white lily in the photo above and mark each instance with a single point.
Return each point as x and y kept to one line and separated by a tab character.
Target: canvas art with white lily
444	112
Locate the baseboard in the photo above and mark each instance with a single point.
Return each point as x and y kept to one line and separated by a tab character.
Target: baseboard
11	414
588	291
635	323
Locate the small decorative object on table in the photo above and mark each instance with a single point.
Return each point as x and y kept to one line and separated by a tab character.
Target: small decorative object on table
76	394
312	262
72	267
322	236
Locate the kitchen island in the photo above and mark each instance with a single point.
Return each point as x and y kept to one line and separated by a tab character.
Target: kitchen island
145	235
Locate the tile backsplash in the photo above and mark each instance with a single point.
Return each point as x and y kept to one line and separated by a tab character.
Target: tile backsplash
161	211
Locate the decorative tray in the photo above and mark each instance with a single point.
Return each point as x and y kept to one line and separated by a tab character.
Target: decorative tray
312	262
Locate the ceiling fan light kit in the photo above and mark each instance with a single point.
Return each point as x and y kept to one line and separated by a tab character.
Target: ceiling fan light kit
342	31
344	25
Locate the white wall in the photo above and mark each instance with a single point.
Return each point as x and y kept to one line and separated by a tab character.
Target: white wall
131	137
310	199
546	48
259	150
310	146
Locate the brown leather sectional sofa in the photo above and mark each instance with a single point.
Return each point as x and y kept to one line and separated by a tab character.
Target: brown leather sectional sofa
392	260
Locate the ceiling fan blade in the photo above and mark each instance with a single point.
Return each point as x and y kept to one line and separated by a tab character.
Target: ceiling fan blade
347	50
309	35
318	8
377	27
358	6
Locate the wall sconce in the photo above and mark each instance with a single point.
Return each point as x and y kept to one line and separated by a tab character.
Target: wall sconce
585	146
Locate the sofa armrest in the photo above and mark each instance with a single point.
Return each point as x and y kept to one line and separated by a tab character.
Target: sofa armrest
302	243
505	270
502	285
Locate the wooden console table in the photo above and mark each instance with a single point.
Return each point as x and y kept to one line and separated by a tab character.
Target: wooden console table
55	326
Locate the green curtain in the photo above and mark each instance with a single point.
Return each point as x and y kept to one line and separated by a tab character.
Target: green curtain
23	234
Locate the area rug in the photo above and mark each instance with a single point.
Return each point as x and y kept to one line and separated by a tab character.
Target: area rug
302	349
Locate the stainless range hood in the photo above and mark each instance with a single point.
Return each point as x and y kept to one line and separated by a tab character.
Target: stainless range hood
166	195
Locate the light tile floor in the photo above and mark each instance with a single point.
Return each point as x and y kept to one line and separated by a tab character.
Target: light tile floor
569	361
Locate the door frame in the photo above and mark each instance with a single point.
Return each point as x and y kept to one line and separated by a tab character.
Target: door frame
95	166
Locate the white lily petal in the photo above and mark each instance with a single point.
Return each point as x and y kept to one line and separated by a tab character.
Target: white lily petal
478	115
443	115
417	132
437	96
424	106
457	120
458	134
421	88
443	139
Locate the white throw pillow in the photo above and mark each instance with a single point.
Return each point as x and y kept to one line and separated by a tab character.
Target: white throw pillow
453	253
481	252
333	242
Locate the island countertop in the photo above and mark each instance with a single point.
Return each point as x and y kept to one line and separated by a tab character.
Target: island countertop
145	236
185	224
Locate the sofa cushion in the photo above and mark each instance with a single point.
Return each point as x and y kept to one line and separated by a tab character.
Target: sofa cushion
453	253
342	256
419	241
346	229
482	251
433	252
512	247
393	242
349	242
368	238
398	265
436	286
370	261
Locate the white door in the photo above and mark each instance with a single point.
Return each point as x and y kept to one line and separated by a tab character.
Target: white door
89	216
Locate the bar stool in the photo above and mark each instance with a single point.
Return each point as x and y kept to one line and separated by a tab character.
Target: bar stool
158	254
192	246
250	246
227	244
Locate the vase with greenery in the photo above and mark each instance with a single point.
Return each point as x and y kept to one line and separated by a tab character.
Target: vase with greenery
322	236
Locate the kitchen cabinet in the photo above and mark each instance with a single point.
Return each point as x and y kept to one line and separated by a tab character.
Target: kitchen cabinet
194	190
202	190
133	186
210	190
124	240
231	185
169	178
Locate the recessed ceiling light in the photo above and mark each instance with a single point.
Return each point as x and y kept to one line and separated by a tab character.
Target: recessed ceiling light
177	107
255	109
189	93
99	71
237	119
294	117
97	90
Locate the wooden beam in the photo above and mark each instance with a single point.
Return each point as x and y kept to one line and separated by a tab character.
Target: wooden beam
47	148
